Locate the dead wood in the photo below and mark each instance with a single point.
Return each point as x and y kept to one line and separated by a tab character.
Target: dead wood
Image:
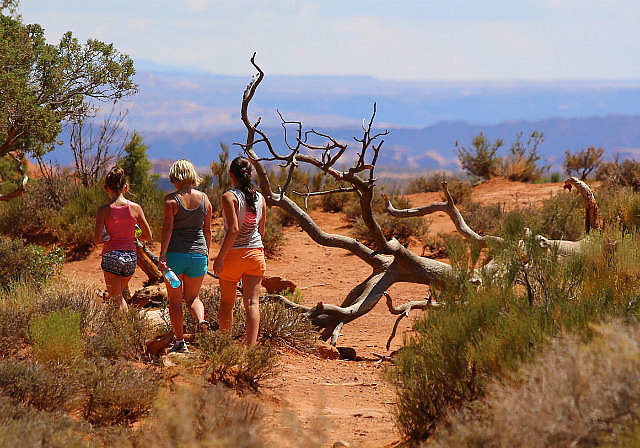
591	218
148	264
390	262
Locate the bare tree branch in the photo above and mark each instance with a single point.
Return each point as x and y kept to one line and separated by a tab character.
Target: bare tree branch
450	209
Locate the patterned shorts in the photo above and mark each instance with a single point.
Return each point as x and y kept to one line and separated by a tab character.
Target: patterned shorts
120	262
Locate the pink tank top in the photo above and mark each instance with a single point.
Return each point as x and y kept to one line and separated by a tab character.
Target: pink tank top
121	227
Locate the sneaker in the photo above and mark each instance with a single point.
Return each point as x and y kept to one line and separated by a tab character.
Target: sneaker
204	326
179	347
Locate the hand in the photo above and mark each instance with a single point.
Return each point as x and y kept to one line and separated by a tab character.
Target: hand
162	263
218	266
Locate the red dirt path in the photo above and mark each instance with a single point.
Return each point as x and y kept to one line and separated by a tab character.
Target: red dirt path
347	400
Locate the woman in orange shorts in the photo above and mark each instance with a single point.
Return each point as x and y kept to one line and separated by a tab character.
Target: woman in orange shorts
241	253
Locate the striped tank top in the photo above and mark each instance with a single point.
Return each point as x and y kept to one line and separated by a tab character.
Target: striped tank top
248	234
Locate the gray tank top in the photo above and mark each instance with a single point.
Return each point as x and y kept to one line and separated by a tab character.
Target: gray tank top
248	235
187	235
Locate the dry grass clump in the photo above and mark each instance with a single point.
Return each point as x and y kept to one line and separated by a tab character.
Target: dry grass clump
25	427
48	388
282	325
101	392
116	393
580	395
235	364
202	416
119	335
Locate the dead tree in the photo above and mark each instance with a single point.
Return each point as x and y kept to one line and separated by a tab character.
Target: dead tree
390	261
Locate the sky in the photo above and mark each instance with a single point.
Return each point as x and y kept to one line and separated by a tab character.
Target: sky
407	40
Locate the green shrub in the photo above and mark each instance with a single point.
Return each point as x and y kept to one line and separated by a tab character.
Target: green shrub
400	228
486	332
27	262
57	336
74	223
204	416
459	189
119	334
619	206
621	174
576	395
335	202
28	215
232	363
484	219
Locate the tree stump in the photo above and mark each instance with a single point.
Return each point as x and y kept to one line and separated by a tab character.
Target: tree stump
154	294
148	265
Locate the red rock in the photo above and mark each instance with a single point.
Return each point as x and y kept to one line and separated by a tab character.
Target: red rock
275	285
326	350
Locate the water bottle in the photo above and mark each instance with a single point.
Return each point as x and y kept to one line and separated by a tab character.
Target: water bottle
172	278
138	231
105	235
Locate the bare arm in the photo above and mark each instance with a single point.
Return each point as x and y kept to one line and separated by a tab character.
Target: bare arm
169	210
206	226
142	222
229	204
101	216
263	219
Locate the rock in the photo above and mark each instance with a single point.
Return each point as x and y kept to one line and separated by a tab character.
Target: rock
157	318
341	444
275	285
347	353
154	294
159	344
326	350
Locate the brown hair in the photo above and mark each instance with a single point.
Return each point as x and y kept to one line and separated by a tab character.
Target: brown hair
116	180
241	169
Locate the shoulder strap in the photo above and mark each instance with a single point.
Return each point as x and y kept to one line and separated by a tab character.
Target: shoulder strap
177	198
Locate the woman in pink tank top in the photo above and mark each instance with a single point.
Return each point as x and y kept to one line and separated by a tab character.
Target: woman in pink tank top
115	229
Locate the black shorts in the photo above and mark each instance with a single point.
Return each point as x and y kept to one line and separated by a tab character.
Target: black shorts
120	262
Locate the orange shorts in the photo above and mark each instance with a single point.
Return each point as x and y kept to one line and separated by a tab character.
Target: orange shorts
239	262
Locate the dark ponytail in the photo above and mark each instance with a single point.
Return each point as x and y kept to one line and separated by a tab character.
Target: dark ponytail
241	169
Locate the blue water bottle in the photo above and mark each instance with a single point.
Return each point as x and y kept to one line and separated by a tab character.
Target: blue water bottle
172	278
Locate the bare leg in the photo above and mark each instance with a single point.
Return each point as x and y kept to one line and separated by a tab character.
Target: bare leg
175	308
115	285
251	297
227	300
191	291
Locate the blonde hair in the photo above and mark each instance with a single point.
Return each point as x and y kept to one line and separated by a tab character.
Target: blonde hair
182	170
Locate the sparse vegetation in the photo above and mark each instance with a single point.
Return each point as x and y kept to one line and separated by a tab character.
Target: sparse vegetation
236	364
57	336
576	395
583	162
204	416
522	163
20	261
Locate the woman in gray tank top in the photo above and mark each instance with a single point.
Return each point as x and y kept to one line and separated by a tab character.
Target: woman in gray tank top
186	237
241	253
